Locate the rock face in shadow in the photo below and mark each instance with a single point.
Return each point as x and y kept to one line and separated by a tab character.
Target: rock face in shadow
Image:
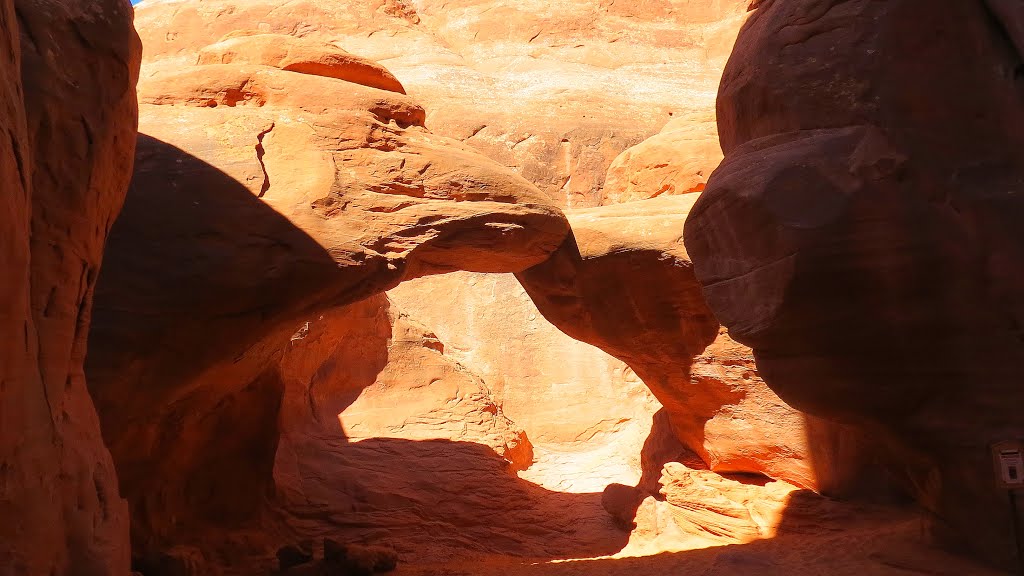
368	370
735	423
863	237
358	427
623	282
267	189
555	89
725	412
68	110
421	441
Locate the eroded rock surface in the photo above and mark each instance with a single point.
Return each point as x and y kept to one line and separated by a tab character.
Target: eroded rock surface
624	283
421	441
556	89
732	420
624	280
677	160
417	393
68	110
377	432
862	234
267	189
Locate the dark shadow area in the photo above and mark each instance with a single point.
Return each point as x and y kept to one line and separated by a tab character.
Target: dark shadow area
849	465
202	283
432	498
901	316
196	270
222	448
204	287
892	550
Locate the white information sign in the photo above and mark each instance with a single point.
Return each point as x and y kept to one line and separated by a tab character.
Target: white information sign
1011	464
1008	458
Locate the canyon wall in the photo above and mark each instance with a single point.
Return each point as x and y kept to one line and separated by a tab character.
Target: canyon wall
554	89
68	76
623	281
862	234
521	100
297	161
563	392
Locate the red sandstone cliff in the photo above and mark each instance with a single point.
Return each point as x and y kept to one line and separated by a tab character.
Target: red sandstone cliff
68	73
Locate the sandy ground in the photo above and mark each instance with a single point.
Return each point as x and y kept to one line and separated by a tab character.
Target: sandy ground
890	548
460	513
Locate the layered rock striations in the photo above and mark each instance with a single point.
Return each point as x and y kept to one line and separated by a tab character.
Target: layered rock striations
861	235
555	89
259	392
68	77
677	160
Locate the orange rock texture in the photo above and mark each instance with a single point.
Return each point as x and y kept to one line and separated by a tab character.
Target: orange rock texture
624	282
421	442
68	110
342	319
531	102
555	89
564	392
269	187
677	160
281	173
862	234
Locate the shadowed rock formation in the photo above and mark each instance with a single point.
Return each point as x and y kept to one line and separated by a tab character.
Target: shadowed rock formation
863	233
68	112
623	282
259	392
264	194
677	160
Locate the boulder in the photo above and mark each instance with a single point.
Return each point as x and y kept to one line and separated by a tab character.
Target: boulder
861	235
